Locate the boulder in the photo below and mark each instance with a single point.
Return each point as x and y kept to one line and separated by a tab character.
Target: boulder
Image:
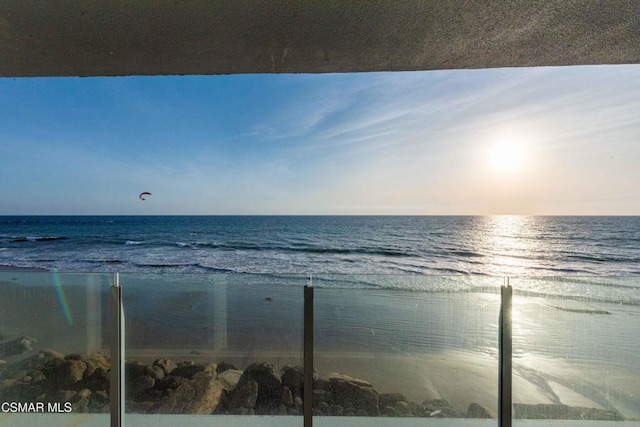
268	379
69	372
170	382
166	365
17	346
293	378
141	384
355	396
188	370
476	410
230	378
335	377
224	366
402	409
241	400
94	362
155	372
200	395
134	370
287	398
563	412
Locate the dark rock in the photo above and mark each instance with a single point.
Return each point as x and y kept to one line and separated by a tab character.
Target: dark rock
320	408
155	372
81	406
69	372
140	407
142	384
242	397
85	393
17	346
100	396
201	395
224	366
99	402
322	384
287	398
388	411
320	396
21	392
293	378
354	396
188	371
134	370
6	383
37	376
73	356
268	379
65	395
94	362
335	410
297	407
402	409
476	410
170	382
100	379
166	365
563	412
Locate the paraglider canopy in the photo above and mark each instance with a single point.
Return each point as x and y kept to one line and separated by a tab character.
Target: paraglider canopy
144	193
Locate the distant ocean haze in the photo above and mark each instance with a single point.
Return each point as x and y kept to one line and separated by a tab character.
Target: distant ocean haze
424	245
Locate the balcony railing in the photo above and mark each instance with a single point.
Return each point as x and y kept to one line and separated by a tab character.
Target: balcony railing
245	349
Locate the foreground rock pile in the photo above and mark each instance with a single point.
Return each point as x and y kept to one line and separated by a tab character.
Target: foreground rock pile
49	376
167	387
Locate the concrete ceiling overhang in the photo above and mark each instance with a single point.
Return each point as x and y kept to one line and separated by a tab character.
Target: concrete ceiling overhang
160	37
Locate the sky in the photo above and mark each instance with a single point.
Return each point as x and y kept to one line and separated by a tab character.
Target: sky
513	141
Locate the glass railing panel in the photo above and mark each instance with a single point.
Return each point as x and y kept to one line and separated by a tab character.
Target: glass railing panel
54	349
406	346
214	344
576	349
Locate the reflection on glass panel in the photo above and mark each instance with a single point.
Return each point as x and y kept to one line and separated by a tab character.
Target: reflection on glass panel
54	344
406	346
576	349
213	344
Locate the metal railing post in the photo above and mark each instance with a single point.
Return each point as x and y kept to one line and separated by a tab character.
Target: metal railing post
308	354
117	354
505	357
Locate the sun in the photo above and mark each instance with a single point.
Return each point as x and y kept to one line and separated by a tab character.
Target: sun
506	156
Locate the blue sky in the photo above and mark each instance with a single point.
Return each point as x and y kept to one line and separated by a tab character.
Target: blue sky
558	141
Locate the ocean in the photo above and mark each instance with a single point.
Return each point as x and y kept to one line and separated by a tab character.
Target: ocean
410	303
424	245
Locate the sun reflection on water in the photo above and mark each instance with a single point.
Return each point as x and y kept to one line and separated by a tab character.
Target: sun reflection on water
512	241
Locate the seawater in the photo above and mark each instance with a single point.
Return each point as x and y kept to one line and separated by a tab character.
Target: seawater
388	288
425	245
